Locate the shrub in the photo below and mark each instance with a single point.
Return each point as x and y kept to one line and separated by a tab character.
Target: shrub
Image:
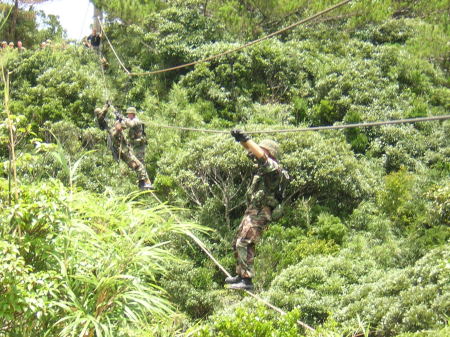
406	300
77	262
397	194
326	169
219	172
266	73
24	292
35	221
440	198
55	84
251	323
316	284
282	247
193	289
329	227
392	31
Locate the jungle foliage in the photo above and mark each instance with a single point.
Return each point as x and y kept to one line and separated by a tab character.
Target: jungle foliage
362	245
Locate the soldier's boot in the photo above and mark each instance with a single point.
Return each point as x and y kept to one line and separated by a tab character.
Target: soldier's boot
146	185
244	284
233	279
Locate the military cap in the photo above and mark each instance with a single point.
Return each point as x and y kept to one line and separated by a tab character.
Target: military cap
131	110
272	146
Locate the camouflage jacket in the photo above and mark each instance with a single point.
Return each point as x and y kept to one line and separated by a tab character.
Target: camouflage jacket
104	121
117	140
136	133
265	184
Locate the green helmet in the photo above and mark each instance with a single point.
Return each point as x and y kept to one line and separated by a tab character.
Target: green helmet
131	110
272	146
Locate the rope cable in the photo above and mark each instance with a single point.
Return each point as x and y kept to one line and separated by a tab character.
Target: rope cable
105	87
316	128
270	305
217	263
112	48
329	9
245	45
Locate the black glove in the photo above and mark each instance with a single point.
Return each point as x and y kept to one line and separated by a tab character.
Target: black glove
239	135
108	103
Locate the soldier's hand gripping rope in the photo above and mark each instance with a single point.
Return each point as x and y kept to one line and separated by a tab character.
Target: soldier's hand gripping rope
240	136
119	117
117	114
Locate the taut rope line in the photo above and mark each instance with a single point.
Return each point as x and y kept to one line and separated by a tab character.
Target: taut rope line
316	128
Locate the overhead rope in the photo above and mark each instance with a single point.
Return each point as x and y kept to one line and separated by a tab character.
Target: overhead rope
315	128
217	263
105	86
112	48
231	50
101	59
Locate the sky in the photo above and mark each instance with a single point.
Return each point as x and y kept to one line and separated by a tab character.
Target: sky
76	16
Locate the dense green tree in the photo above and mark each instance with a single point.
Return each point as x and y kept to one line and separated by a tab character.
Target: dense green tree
55	83
128	11
70	268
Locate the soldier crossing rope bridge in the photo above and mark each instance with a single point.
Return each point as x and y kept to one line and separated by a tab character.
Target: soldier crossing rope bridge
263	199
119	141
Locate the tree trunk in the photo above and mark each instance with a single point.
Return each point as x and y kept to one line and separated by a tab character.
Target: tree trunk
12	175
12	27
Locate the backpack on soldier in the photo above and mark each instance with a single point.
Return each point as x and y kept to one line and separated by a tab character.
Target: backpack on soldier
280	194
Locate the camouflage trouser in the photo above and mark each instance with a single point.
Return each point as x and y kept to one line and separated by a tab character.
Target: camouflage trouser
139	152
249	232
130	159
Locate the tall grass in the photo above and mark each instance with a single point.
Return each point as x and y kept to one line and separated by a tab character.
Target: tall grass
108	253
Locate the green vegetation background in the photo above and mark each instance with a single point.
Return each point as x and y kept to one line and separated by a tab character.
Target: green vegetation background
362	248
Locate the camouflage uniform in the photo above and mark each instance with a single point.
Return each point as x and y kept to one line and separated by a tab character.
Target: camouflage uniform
261	202
120	144
136	137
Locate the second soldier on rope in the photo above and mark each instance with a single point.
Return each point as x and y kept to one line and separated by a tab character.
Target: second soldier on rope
120	145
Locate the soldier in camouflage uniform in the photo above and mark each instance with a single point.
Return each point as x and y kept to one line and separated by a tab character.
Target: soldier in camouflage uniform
260	204
136	134
119	144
